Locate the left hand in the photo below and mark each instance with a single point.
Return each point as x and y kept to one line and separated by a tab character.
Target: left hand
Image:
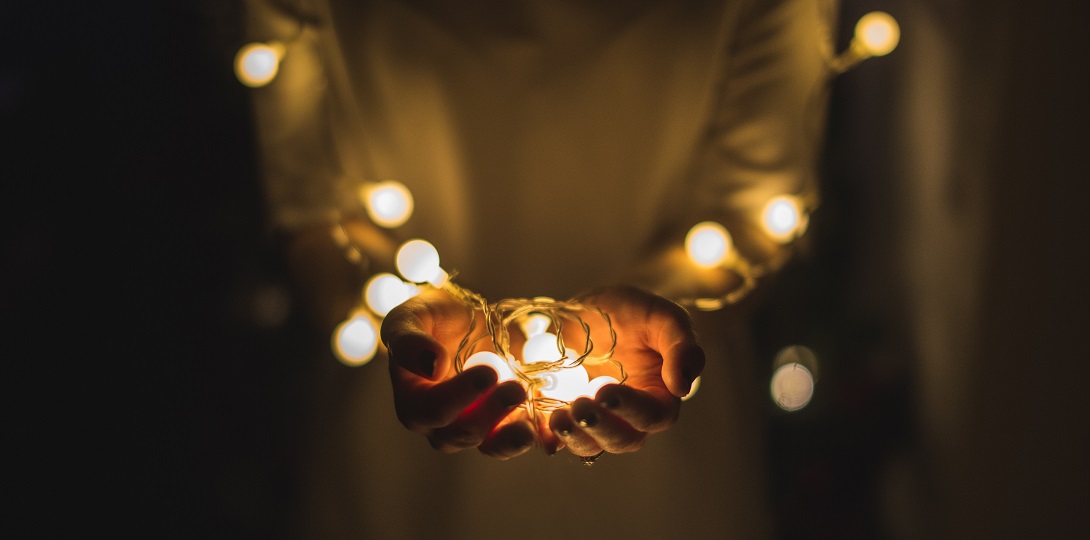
658	348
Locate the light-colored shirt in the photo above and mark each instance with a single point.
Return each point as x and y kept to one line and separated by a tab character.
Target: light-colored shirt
545	142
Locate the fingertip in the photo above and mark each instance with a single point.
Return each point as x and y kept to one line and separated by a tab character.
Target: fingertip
481	377
608	396
560	423
682	365
509	441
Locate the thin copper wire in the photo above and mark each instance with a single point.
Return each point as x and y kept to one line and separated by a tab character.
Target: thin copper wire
498	317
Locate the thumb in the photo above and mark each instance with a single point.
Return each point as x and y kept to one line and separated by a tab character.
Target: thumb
407	333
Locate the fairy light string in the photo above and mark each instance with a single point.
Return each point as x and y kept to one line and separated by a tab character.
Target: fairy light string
389	204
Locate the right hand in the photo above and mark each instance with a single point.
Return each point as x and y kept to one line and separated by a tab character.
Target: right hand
455	411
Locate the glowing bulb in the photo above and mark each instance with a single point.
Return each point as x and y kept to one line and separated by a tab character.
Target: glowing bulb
418	261
566	384
356	340
708	244
384	292
877	33
792	386
492	360
257	64
782	219
692	389
597	383
541	348
534	324
389	203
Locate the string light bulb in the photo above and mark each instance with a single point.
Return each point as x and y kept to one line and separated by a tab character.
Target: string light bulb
257	64
418	261
541	347
355	340
877	33
389	204
692	389
384	292
793	381
708	244
782	219
567	384
503	369
792	386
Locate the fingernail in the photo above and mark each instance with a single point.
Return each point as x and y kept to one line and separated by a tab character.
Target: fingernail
426	361
588	421
563	428
610	401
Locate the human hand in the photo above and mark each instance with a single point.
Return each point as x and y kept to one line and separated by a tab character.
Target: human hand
658	349
455	411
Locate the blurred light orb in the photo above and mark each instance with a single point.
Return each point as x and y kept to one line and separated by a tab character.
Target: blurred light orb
792	386
781	218
418	261
492	360
389	203
256	64
384	292
355	340
708	244
541	348
692	389
877	33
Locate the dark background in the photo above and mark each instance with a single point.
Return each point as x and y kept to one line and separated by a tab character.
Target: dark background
144	398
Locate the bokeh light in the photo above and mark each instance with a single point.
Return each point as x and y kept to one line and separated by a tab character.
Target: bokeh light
708	244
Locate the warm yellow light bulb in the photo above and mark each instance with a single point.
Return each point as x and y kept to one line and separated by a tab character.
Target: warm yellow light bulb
782	219
708	244
692	389
256	64
534	324
389	203
355	340
877	33
418	261
385	291
565	384
541	348
492	360
792	386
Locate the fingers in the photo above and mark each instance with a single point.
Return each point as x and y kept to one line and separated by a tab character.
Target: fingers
651	410
588	429
675	340
414	333
424	405
509	439
578	441
550	442
476	422
682	363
